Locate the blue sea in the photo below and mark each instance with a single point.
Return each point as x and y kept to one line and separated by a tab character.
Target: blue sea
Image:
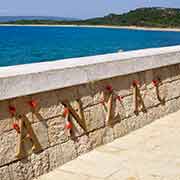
22	44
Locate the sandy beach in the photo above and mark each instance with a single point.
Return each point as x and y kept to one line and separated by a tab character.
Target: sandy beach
101	26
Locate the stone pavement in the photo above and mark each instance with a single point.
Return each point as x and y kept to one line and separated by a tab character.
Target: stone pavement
150	153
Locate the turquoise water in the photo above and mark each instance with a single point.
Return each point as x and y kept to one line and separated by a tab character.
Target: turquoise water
21	45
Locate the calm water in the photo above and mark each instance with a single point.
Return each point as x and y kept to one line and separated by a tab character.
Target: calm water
21	45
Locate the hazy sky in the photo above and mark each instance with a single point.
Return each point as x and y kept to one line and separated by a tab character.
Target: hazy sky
77	8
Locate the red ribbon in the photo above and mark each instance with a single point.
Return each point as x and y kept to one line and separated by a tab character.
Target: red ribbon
66	112
16	127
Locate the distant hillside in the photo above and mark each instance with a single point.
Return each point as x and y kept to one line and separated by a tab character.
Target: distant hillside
144	17
17	18
147	17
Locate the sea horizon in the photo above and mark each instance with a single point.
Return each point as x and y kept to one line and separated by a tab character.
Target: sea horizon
32	44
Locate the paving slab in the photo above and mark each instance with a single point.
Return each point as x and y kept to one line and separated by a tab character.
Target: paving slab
149	153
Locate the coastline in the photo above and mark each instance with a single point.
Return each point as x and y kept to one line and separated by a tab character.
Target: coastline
101	26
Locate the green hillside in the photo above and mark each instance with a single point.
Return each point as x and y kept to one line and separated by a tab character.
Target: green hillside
145	17
148	17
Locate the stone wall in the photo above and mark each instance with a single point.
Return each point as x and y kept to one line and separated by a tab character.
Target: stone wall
48	121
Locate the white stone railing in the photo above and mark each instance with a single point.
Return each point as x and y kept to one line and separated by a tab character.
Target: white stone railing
39	77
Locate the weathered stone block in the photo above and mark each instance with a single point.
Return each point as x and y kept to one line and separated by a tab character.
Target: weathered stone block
136	122
55	157
148	77
173	89
56	131
69	151
41	131
132	123
172	106
122	109
174	72
67	94
83	144
90	94
120	129
8	147
162	73
22	170
48	106
96	137
87	92
122	84
4	173
9	143
40	163
127	107
6	120
150	96
93	110
95	117
31	167
108	135
155	113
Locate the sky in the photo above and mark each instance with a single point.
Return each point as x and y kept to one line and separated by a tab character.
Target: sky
77	8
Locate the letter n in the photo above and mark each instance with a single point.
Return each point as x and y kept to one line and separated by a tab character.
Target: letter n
27	139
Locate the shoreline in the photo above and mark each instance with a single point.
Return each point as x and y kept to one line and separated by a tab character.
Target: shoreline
100	26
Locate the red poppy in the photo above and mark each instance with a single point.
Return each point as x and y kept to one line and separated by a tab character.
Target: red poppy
155	82
109	88
135	82
68	125
120	98
33	103
16	127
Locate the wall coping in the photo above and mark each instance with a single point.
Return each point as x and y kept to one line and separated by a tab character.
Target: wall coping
33	78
